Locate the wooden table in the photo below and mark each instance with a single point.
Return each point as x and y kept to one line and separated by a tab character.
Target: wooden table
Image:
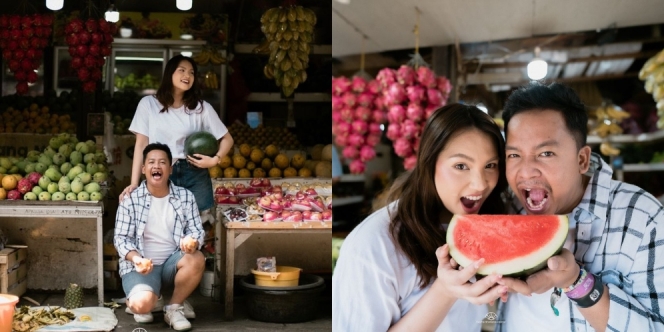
238	232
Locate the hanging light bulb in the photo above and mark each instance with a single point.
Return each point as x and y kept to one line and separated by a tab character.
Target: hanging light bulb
54	4
183	4
537	68
112	14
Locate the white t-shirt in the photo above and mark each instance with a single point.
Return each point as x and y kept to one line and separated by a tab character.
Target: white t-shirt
158	234
374	284
534	313
173	127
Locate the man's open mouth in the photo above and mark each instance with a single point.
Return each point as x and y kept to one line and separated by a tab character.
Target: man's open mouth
156	175
536	198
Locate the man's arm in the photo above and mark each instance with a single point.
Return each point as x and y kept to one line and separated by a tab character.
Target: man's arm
125	230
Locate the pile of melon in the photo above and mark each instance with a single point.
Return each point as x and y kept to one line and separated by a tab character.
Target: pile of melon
246	161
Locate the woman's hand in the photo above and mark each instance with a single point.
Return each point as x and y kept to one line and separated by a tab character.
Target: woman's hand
202	161
127	191
455	283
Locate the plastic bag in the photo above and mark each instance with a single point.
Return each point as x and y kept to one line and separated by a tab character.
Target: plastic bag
267	264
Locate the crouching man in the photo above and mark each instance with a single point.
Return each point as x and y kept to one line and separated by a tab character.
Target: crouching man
158	234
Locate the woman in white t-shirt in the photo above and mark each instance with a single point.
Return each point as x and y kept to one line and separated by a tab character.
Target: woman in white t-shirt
175	112
387	276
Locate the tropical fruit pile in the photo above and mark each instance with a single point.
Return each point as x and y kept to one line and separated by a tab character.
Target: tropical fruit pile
209	56
89	42
65	170
263	136
22	40
653	73
248	162
289	31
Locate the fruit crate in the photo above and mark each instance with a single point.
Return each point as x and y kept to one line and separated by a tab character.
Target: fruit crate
13	270
112	279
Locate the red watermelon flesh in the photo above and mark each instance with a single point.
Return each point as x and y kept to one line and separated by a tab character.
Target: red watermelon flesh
511	245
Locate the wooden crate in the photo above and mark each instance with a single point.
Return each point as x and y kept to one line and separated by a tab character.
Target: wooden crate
13	270
112	279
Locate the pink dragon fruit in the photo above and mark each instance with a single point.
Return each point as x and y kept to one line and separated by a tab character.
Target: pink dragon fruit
415	93
365	99
374	128
347	114
356	140
362	113
14	195
356	167
393	131
395	94
396	114
374	87
444	85
415	112
426	77
24	185
337	103
373	139
410	162
336	116
429	110
386	77
358	84
367	153
34	177
349	99
340	85
350	152
379	102
416	144
409	129
343	129
406	75
341	140
360	127
378	116
434	96
402	147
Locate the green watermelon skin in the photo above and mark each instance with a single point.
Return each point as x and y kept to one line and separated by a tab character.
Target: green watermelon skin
512	245
201	142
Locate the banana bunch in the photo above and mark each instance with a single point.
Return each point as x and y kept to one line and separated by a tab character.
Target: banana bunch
207	56
653	75
211	80
608	119
289	32
608	150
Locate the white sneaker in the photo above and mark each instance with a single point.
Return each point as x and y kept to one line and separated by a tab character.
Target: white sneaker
174	317
158	307
146	318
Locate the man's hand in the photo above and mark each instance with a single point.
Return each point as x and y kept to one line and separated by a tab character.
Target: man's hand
143	265
562	270
188	245
455	282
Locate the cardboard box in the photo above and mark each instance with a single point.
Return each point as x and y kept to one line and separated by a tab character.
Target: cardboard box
13	270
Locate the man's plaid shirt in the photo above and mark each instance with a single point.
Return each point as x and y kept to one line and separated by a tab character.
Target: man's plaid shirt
620	236
133	215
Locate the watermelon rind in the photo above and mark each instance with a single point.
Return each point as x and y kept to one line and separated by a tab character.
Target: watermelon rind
201	142
519	267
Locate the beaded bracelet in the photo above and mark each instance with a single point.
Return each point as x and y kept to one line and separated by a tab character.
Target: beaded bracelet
582	276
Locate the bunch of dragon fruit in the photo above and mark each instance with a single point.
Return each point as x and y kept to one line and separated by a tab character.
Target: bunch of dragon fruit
410	96
357	116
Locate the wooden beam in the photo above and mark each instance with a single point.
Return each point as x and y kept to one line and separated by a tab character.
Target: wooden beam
560	80
638	55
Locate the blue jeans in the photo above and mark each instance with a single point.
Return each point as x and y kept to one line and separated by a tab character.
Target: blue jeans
133	281
197	180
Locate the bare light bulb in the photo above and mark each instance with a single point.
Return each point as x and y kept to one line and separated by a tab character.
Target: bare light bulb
537	68
112	14
54	4
183	4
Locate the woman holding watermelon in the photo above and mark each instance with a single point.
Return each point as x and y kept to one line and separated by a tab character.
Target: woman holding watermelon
387	277
169	117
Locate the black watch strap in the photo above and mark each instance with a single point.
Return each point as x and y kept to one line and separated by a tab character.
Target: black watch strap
593	296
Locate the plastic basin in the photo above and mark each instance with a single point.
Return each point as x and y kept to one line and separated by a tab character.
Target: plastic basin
286	276
7	304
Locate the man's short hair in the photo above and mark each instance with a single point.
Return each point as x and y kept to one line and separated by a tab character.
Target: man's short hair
157	146
557	97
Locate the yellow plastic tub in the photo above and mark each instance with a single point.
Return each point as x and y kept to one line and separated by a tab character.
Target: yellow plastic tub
286	276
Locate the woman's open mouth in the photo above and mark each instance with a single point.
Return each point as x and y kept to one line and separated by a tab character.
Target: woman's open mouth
471	204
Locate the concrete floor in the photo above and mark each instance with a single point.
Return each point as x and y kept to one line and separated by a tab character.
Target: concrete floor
209	315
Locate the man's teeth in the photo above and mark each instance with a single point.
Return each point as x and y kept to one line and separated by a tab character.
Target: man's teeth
473	198
530	203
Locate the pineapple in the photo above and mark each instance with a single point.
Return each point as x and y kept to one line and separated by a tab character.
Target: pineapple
73	297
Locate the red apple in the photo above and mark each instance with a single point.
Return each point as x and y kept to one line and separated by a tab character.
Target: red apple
285	214
317	205
240	186
255	182
288	205
276	206
264	202
311	192
266	182
300	195
327	215
306	215
221	191
316	216
233	200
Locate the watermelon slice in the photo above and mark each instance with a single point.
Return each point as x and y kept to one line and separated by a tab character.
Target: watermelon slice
511	245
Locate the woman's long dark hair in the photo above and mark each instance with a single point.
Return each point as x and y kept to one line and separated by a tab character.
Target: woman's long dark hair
192	97
416	224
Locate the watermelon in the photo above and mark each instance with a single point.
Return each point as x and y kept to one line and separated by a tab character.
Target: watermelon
201	142
511	245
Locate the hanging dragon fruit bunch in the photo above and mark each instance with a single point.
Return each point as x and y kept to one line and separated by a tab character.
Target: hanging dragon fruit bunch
356	119
410	96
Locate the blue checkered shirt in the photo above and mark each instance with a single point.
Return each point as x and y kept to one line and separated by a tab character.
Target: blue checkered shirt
620	236
133	213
